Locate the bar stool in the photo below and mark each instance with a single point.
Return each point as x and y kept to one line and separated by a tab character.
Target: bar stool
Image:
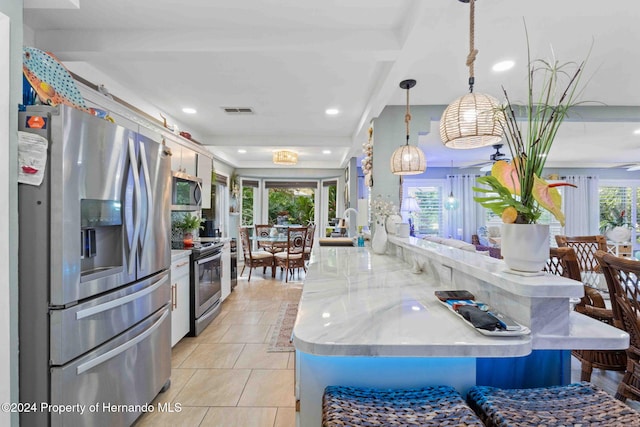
574	404
426	406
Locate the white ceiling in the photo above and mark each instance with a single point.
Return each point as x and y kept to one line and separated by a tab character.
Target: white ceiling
290	60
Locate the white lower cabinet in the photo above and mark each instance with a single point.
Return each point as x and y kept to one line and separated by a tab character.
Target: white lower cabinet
226	271
179	299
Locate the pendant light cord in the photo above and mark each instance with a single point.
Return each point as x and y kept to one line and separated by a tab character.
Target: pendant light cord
473	52
407	116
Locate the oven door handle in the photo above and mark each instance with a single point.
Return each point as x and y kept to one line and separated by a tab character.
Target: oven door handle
203	260
121	348
120	301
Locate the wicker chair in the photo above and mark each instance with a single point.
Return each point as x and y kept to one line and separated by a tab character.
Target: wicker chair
571	405
426	406
308	244
586	247
293	256
623	280
563	262
263	230
252	259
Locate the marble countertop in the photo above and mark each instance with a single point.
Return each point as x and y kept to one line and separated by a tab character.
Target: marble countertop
357	303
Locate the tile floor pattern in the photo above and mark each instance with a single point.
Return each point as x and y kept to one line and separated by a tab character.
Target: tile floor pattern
226	378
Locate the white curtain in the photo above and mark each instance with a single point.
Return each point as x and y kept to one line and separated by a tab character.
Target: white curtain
581	206
465	220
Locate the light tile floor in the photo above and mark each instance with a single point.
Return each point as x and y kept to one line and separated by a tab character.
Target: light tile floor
225	377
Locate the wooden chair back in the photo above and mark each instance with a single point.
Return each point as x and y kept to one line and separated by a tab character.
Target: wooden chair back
585	248
246	242
563	262
263	230
623	281
296	238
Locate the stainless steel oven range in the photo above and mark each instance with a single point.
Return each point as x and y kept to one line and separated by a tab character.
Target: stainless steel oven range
206	285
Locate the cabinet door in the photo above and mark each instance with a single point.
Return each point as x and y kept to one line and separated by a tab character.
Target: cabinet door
204	172
180	282
183	159
226	271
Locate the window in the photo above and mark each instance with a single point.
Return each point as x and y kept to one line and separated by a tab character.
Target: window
429	220
291	202
249	202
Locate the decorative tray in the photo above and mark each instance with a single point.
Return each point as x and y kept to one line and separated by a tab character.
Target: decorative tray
522	330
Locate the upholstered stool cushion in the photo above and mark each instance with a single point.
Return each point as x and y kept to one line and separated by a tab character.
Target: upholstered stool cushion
580	404
427	406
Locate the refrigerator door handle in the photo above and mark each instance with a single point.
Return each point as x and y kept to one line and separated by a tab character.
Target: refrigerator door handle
120	301
137	206
121	348
147	183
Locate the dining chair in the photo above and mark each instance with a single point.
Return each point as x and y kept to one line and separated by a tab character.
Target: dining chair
622	276
564	262
293	256
585	248
253	259
308	243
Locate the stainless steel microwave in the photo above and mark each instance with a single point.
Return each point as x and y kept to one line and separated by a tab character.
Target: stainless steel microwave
186	192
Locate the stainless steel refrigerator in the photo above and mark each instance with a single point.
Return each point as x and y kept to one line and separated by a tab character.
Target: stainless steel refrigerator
94	264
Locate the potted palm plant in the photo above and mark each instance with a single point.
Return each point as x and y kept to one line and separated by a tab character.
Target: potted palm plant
515	190
616	226
188	224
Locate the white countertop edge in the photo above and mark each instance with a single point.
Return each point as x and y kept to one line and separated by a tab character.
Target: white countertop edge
510	347
584	333
493	270
177	254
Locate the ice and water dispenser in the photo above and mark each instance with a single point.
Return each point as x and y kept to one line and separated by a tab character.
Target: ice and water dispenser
100	237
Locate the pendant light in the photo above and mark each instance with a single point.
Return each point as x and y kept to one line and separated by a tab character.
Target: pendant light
451	204
407	159
472	120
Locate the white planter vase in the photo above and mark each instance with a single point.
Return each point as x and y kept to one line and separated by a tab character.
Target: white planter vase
525	247
392	223
379	240
619	234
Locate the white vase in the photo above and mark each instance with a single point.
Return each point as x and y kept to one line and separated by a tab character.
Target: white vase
379	240
619	234
392	223
525	247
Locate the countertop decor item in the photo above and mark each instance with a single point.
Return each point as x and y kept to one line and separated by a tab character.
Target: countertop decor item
515	190
380	210
407	159
188	224
469	121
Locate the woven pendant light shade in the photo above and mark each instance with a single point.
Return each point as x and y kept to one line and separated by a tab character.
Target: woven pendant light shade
408	160
471	121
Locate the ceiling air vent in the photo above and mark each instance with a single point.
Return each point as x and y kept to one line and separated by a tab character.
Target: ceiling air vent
238	110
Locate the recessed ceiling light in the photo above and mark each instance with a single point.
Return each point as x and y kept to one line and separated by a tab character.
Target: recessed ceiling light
242	151
636	132
326	151
503	65
331	111
189	110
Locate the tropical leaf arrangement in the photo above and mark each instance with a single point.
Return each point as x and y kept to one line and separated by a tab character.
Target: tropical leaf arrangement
515	190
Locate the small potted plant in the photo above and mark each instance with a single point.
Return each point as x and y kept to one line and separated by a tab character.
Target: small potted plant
616	226
188	224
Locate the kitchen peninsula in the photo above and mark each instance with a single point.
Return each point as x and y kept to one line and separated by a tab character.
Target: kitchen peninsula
373	320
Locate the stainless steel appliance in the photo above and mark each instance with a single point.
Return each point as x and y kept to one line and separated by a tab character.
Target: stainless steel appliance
94	264
186	192
206	285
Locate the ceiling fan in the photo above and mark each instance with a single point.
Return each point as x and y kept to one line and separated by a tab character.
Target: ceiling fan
494	157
